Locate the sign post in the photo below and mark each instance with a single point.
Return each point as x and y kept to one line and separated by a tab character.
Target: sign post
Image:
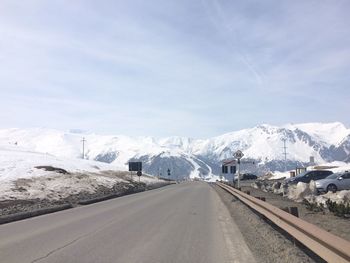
139	173
135	167
238	155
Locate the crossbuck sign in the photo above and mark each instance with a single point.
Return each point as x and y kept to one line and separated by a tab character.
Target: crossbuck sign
238	155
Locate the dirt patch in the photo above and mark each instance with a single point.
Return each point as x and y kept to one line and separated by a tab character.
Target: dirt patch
266	242
52	169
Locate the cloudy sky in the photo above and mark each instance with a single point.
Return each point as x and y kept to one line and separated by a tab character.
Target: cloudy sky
173	67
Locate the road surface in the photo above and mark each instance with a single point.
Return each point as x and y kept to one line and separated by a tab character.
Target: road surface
179	223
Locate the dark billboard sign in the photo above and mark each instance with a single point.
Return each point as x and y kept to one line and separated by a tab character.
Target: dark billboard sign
135	166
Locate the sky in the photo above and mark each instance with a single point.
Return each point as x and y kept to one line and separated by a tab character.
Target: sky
161	68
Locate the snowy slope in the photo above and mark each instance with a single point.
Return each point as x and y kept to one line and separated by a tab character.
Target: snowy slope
17	171
328	133
264	142
117	150
21	177
16	162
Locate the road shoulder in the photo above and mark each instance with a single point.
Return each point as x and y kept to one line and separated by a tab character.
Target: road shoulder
236	247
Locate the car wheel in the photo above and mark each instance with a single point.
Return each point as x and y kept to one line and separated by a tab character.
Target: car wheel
332	188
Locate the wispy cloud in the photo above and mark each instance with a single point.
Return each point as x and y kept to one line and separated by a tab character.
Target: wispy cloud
171	64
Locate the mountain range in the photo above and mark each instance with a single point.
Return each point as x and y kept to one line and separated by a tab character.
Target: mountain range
263	148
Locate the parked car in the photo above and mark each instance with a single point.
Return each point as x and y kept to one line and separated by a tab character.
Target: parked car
334	182
307	176
247	176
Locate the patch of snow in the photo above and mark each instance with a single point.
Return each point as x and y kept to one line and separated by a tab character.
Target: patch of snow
338	197
195	172
279	175
299	191
54	186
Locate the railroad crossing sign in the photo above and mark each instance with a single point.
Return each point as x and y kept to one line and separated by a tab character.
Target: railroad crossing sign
238	154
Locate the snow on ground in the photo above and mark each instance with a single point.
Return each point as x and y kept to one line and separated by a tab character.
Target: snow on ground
300	191
196	171
147	179
19	179
335	167
303	191
280	175
18	163
338	197
54	186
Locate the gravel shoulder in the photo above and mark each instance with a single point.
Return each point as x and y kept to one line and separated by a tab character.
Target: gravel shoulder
336	225
265	241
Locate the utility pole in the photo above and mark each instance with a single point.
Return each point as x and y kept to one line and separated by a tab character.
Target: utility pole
239	173
83	141
285	153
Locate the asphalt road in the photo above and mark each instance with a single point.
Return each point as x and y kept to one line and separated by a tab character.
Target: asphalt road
179	223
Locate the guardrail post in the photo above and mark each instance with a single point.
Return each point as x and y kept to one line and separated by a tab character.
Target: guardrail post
294	211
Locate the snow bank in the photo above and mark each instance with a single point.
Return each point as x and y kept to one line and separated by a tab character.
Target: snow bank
338	197
53	186
18	163
20	179
280	175
147	179
301	190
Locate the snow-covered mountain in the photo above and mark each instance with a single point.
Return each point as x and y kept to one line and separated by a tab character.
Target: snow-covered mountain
186	157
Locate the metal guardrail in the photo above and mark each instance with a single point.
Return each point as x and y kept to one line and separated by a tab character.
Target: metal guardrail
326	245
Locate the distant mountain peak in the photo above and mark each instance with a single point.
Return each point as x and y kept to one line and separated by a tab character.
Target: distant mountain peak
193	157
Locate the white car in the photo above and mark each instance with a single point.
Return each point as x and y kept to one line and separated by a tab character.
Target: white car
334	182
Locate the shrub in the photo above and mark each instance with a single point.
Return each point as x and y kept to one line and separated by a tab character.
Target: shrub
339	209
313	206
